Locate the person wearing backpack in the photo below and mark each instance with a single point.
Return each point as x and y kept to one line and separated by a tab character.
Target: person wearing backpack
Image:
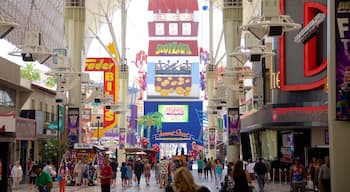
260	170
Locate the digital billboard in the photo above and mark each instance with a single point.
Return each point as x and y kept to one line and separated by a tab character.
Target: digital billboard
174	113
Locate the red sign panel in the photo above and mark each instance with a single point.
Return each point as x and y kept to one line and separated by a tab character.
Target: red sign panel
110	77
173	48
172	6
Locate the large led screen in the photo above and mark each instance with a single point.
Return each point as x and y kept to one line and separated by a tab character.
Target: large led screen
174	113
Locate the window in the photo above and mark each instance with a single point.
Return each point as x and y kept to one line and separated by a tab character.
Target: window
41	106
159	28
7	97
173	29
186	28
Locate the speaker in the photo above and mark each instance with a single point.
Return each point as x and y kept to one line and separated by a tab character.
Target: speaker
27	57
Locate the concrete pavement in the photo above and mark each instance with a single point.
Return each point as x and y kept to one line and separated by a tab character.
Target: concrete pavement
210	183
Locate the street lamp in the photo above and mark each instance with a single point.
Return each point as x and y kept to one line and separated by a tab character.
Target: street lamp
98	129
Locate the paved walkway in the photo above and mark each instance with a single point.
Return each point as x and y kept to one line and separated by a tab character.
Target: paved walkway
152	188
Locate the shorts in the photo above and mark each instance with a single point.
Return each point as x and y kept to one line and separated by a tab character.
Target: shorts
164	176
200	170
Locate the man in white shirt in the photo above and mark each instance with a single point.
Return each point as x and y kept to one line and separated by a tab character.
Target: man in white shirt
250	169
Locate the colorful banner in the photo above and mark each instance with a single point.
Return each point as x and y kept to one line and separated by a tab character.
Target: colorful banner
342	37
233	126
110	86
212	138
73	125
172	48
122	140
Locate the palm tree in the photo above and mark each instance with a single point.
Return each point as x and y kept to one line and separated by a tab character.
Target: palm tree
151	120
28	72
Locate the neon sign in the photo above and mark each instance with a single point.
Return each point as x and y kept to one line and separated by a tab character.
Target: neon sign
174	113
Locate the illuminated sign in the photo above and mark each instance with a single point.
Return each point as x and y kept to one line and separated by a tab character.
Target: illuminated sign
173	135
173	17
110	78
173	48
178	85
174	113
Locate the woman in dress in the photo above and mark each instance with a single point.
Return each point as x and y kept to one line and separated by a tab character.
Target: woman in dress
62	176
147	172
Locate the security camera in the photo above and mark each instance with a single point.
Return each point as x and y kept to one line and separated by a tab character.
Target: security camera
311	28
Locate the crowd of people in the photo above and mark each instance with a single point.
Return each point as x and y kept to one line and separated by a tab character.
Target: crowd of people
174	174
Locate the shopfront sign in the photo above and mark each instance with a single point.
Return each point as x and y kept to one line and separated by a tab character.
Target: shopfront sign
110	78
173	48
25	129
173	135
83	146
342	42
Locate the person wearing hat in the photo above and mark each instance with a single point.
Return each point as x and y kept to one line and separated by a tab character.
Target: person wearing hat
297	175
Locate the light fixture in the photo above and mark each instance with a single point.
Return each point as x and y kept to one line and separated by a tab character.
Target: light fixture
252	54
262	26
32	50
6	27
311	28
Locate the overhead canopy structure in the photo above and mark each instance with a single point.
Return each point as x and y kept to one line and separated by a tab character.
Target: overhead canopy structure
47	17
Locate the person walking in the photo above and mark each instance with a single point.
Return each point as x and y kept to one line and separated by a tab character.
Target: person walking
200	167
138	170
241	178
260	170
297	175
324	176
184	182
78	172
163	169
43	180
62	176
106	176
156	172
85	174
218	172
124	176
147	172
16	175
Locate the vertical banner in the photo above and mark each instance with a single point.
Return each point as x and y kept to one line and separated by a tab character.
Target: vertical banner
73	125
85	119
342	38
233	126
212	138
122	139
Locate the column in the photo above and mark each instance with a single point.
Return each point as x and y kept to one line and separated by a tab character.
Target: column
232	19
75	28
339	131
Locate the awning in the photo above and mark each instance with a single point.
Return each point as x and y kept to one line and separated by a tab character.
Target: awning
53	125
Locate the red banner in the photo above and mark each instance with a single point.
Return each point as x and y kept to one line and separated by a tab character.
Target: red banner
173	48
110	77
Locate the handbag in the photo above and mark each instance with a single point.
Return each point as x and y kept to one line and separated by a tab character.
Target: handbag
59	178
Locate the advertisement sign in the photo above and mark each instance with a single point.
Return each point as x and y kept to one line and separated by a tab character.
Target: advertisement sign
73	125
342	37
86	114
7	123
174	113
172	48
178	29
212	138
122	139
110	83
233	126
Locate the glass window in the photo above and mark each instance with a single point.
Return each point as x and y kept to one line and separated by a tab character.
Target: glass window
159	28
7	97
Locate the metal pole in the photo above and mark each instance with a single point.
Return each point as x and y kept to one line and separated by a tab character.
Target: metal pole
98	130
